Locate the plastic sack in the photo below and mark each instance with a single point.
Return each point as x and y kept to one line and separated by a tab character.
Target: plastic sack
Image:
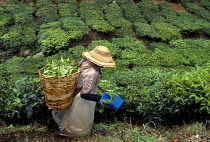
77	119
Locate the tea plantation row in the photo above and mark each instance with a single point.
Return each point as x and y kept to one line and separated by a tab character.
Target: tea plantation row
166	79
172	80
51	25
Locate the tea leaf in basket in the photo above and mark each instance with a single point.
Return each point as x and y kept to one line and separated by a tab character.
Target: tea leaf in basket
59	68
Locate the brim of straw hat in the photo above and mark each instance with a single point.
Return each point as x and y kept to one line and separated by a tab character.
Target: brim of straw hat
100	60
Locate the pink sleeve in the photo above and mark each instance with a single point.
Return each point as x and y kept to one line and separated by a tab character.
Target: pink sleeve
90	81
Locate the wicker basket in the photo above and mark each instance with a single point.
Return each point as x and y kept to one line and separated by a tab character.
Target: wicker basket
58	91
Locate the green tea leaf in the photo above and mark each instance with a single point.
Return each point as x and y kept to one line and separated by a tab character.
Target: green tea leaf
59	68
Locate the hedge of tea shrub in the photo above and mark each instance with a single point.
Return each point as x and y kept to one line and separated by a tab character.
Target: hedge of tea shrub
159	30
66	1
5	22
183	20
185	2
21	93
20	29
198	11
103	2
167	32
165	10
114	15
148	81
41	3
19	36
53	40
181	52
205	4
47	13
75	27
155	92
150	11
144	87
93	16
19	8
132	16
188	22
68	9
56	35
131	11
144	29
159	80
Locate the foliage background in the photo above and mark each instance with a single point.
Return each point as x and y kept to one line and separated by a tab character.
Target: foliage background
162	72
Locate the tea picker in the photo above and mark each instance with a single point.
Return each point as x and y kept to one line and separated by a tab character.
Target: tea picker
76	120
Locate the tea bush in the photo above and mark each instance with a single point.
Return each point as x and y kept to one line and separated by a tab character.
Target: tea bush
205	4
131	11
128	43
187	22
206	27
145	30
195	52
41	3
103	2
6	19
167	57
68	9
146	6
76	52
146	90
185	2
198	11
93	16
47	13
183	20
20	29
166	12
21	93
75	27
53	40
22	66
164	6
114	15
150	11
159	76
19	36
131	52
24	98
50	25
4	23
167	32
190	91
19	8
66	1
180	53
164	31
23	17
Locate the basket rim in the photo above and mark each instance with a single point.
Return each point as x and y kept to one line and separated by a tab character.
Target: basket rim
42	69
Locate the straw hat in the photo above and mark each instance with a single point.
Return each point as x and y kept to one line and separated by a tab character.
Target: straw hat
101	56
